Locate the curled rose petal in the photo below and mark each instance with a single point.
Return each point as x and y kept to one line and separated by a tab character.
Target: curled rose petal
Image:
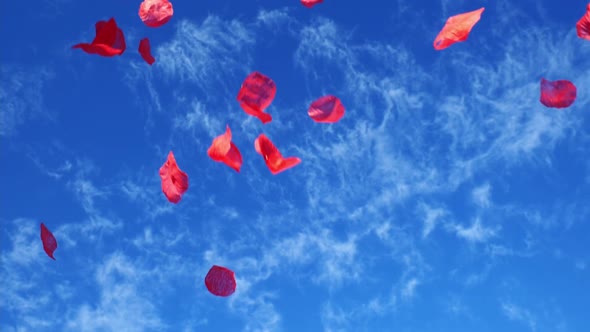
256	94
174	180
223	150
109	40
327	109
273	158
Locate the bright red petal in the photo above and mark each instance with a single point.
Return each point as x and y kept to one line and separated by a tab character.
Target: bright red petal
220	281
146	51
457	29
273	158
326	109
109	40
311	3
234	158
155	13
220	145
49	242
256	94
174	180
223	150
105	32
557	94
583	25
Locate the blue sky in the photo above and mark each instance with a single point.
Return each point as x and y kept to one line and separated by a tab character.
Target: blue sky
447	198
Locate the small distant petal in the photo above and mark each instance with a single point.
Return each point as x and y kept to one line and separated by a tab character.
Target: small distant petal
327	109
155	13
220	281
557	94
49	242
145	51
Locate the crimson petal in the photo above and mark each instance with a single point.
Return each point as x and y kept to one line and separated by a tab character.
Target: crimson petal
49	242
109	40
273	158
327	109
223	150
220	281
256	94
145	51
557	94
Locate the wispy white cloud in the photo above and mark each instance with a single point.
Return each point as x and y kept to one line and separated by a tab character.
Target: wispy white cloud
54	8
455	306
431	218
21	96
88	194
477	232
336	261
40	295
147	193
121	306
335	319
83	186
276	19
201	118
409	288
205	54
260	313
56	172
519	314
143	86
23	267
481	195
25	248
